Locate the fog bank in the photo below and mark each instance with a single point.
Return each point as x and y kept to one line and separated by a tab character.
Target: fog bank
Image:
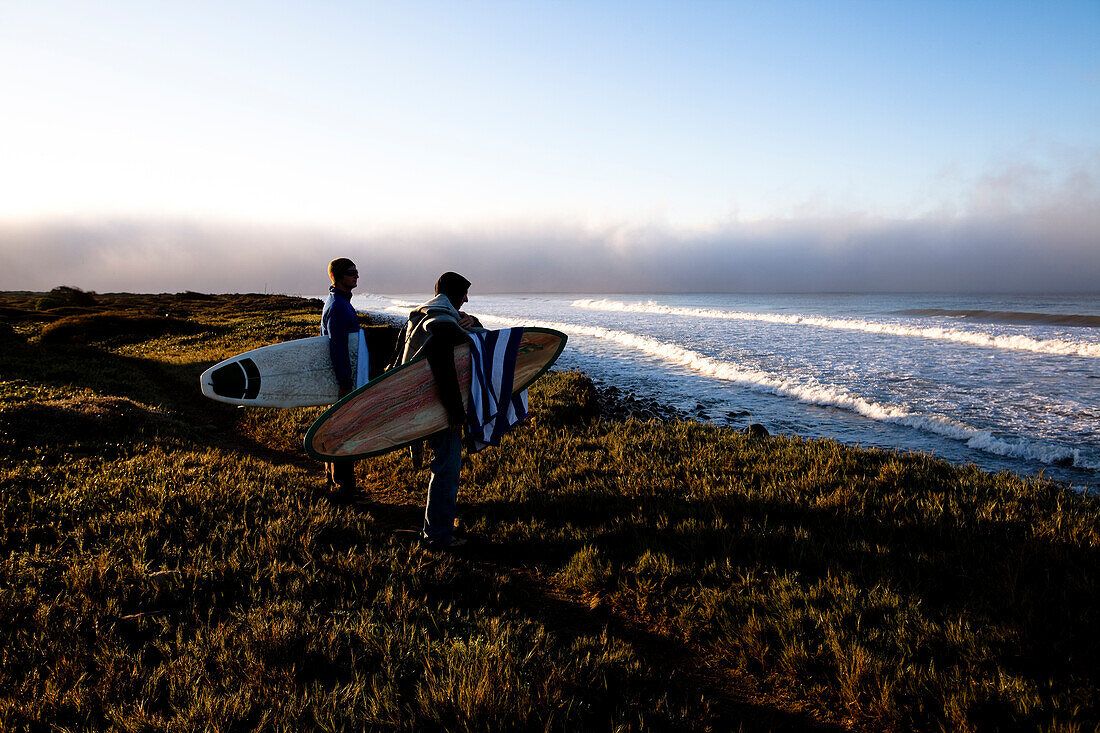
1055	249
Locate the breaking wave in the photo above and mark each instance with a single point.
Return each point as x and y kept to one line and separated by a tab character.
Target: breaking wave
1061	347
373	300
814	392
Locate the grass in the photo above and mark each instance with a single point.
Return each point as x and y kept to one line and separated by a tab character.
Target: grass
169	562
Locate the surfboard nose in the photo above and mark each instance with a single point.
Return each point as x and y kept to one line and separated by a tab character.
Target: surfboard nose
238	380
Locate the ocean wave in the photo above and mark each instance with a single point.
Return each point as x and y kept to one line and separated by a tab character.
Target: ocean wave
385	301
1061	347
812	391
1020	317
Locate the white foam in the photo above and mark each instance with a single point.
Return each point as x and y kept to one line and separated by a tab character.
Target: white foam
814	392
391	303
1062	347
377	303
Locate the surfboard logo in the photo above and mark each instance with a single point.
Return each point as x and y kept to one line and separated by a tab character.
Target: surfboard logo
236	380
526	347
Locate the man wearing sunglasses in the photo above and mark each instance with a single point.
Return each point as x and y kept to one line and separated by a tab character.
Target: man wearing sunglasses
338	319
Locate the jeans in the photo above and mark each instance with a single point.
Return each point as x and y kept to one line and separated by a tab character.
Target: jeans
439	514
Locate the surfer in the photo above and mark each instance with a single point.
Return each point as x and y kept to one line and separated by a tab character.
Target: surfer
434	328
338	319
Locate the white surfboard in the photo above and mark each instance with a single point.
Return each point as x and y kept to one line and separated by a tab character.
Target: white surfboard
291	374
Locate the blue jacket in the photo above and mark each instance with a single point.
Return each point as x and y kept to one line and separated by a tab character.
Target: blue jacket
338	319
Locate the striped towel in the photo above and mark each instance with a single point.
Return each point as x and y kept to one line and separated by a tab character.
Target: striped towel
493	409
362	366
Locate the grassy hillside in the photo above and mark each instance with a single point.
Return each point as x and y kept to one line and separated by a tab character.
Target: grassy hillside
172	562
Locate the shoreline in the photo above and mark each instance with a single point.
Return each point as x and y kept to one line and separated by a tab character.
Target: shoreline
616	403
620	402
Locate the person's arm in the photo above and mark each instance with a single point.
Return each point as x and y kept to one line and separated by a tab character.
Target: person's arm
441	358
469	323
399	349
340	325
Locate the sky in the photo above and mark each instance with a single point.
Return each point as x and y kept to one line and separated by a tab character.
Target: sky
551	146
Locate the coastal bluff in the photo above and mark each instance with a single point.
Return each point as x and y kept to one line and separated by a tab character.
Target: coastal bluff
172	562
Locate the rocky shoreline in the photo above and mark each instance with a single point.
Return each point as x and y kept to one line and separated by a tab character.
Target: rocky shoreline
624	404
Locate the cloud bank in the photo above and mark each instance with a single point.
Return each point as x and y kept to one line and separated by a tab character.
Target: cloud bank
1051	244
1025	255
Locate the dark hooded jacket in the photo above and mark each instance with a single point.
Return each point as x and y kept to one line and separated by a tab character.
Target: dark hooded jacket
433	331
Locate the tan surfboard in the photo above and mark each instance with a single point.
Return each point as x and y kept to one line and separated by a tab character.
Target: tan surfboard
291	374
402	406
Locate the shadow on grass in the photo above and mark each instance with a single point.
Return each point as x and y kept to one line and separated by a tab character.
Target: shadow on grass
508	573
60	367
1042	593
131	399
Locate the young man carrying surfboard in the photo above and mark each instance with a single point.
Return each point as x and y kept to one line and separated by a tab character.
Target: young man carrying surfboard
434	328
338	319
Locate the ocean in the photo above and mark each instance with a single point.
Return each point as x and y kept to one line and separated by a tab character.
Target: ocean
1003	382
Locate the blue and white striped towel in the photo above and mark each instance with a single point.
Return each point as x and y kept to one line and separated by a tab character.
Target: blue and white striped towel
362	365
493	409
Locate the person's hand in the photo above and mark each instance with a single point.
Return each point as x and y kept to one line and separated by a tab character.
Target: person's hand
467	321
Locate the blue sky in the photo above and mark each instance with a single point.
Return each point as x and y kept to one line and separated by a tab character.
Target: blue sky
359	123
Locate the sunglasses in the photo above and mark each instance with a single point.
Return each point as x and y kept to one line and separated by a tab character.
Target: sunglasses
351	273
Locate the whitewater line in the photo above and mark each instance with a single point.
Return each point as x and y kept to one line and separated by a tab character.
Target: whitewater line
1061	347
813	392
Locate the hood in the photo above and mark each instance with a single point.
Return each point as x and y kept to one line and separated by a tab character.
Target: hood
440	305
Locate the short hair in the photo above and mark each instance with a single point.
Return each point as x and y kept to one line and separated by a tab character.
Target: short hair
338	267
451	284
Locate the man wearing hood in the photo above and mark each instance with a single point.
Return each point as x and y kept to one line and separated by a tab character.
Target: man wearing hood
434	328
